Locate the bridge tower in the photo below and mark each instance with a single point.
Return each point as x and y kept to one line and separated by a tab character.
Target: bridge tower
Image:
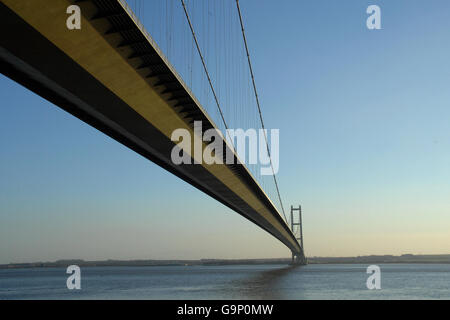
298	258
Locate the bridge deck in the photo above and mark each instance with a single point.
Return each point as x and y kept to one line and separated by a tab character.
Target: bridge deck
111	75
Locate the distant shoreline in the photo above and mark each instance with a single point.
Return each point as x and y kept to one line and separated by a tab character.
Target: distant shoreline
406	258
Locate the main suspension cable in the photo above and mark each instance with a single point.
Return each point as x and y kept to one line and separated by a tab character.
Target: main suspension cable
204	64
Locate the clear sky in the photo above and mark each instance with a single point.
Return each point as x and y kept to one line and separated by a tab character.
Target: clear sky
365	148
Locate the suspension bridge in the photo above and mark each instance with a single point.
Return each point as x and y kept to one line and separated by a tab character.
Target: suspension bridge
139	70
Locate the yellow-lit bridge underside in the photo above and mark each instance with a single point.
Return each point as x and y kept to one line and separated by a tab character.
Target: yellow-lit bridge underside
107	75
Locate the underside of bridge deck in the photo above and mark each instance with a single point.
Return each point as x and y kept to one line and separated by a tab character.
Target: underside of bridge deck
111	75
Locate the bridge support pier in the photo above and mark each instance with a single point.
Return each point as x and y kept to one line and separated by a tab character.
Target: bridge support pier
298	258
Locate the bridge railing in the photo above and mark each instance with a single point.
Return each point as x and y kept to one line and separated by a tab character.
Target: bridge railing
147	35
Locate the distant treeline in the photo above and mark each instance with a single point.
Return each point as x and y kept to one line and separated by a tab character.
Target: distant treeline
141	263
406	258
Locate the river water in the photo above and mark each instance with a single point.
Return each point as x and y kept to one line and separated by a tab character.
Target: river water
328	281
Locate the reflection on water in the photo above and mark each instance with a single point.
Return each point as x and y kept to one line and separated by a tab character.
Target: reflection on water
398	281
264	284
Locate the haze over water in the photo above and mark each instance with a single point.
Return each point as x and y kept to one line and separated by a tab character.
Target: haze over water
330	281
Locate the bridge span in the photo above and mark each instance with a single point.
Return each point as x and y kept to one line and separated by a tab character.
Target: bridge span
112	75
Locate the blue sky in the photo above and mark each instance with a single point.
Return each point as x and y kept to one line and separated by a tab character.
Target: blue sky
365	147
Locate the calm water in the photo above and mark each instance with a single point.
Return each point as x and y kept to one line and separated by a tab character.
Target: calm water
398	281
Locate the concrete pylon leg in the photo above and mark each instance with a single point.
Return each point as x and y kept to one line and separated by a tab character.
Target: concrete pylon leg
298	259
